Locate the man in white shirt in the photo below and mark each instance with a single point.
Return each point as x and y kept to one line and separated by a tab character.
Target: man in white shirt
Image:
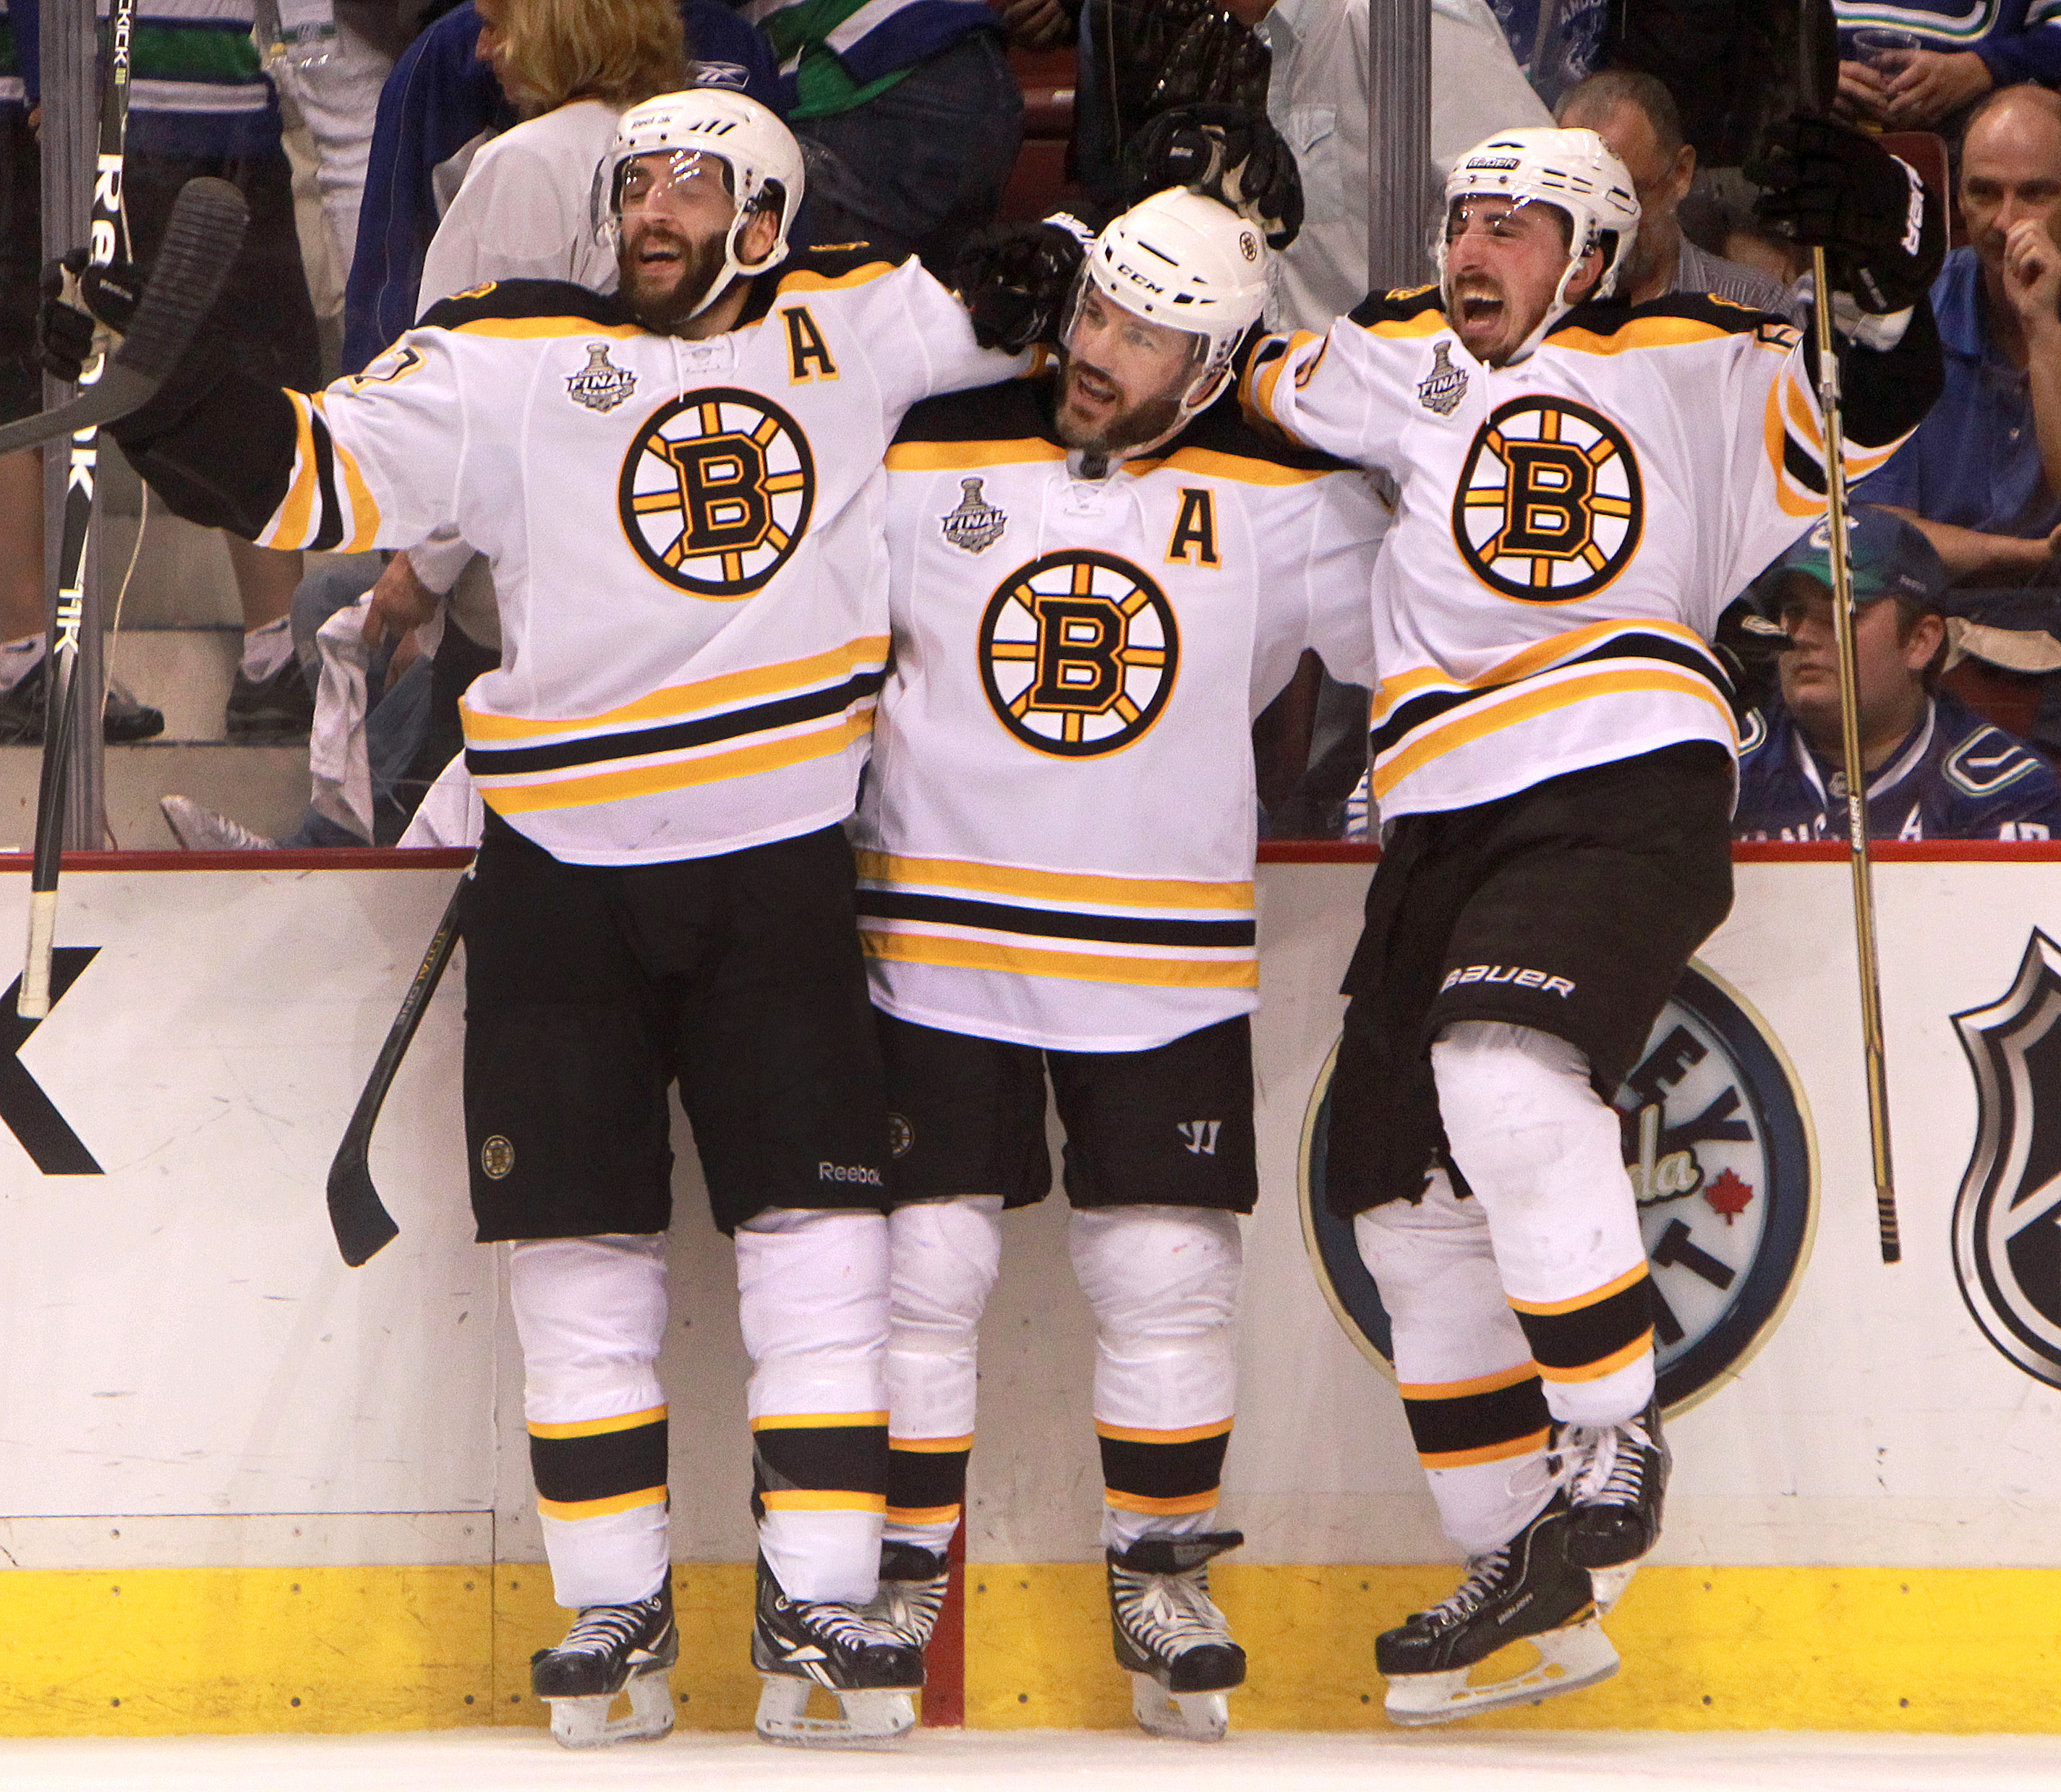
1316	96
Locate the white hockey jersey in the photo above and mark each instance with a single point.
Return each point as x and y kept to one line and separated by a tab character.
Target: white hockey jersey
1570	528
684	537
1057	836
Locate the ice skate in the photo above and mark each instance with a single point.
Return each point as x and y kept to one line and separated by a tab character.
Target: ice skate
872	1668
1528	1591
1171	1638
611	1651
1617	1479
913	1581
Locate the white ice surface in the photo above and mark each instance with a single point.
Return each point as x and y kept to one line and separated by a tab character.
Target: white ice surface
526	1761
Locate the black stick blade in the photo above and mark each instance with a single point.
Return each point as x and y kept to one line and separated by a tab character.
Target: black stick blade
201	238
363	1225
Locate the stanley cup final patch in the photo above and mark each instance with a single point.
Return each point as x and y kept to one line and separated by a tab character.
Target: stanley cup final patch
600	385
1441	389
975	525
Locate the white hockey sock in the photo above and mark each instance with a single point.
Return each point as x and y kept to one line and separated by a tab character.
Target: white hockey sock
267	648
591	1315
947	1254
812	1302
18	659
1467	1382
1542	1153
1163	1284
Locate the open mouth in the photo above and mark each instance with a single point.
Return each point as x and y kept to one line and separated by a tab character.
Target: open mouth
1480	307
1094	387
659	251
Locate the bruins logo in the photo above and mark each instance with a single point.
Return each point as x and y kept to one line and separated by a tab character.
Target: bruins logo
1549	508
716	492
1077	652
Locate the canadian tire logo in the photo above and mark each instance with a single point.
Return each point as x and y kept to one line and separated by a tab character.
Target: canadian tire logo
1718	1144
2008	1216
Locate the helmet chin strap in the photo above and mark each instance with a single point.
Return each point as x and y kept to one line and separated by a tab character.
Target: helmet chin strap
732	269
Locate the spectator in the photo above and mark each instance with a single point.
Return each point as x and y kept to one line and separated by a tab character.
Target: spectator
440	98
1636	116
1936	769
1952	56
916	106
335	85
1557	43
1734	67
1316	96
1982	476
199	104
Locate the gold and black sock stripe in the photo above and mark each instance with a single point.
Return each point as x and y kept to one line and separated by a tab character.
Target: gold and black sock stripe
1486	1419
818	1462
1593	1335
595	1467
926	1479
1166	1473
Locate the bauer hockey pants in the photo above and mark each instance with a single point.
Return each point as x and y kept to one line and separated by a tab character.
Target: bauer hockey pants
1526	1303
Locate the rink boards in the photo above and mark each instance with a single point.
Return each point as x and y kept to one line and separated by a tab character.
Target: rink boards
247	1488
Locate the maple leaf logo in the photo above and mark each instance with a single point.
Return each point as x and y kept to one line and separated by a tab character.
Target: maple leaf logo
1728	1195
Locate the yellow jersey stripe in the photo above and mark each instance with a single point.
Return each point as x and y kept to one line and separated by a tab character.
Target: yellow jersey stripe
821	1499
950	456
1525	702
599	1427
1474	1384
676	701
813	1422
1054	886
1486	1453
296	508
515	798
1604	1365
1536	657
931	1446
1247	468
539	329
578	1509
1641	333
1192	1434
1547	1309
805	280
1166	1508
1084	967
924	1514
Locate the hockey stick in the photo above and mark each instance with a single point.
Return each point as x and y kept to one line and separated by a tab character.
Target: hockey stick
363	1225
1819	83
201	238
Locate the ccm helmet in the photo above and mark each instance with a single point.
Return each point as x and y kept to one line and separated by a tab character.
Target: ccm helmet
763	159
1574	170
1185	260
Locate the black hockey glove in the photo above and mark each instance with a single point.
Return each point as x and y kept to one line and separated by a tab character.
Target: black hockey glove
1824	185
64	334
1014	279
1749	643
1233	156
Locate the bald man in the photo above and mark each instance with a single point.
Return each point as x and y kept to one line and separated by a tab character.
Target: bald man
1637	117
1982	477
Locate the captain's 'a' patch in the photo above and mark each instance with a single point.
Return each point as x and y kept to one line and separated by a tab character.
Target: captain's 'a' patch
716	492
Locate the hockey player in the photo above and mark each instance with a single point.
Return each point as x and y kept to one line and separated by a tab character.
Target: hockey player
1584	486
678	488
1098	581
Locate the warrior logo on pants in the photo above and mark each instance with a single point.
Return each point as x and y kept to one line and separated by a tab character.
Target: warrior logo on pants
716	492
2007	1217
1718	1150
1549	508
1078	653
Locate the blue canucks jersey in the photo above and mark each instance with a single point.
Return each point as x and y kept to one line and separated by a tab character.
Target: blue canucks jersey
1956	777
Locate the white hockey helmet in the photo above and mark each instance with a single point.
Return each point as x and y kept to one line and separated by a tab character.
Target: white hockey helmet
1182	260
764	161
1574	170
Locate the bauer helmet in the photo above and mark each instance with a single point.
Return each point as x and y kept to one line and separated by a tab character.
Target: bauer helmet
762	159
1186	262
1573	170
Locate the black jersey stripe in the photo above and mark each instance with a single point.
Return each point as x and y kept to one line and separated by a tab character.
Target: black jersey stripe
330	530
598	749
1004	918
1414	712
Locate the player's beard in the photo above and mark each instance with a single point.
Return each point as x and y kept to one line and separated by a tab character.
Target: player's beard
1131	427
663	296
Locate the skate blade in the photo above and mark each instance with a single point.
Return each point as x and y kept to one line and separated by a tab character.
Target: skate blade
1608	1585
869	1717
584	1723
1179	1716
1573	1657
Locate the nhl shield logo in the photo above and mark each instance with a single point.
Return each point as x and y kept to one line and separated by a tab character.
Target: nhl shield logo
2008	1216
1717	1142
1441	389
976	525
600	386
